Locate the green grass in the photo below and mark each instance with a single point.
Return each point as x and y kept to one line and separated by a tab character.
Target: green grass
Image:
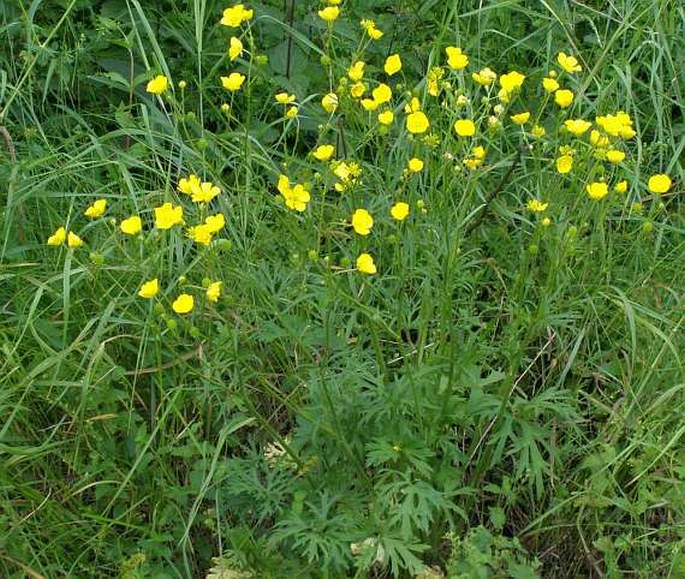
504	397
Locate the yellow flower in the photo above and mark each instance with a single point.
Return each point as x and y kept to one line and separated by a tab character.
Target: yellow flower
295	197
233	81
369	104
456	59
564	164
362	221
365	264
563	98
659	183
393	64
478	152
465	128
371	30
189	185
74	240
538	131
597	139
58	237
568	63
597	190
330	102
357	89
235	48
131	226
546	222
205	192
167	216
157	85
417	122
621	186
615	156
415	164
323	152
356	71
550	84
577	126
329	14
382	94
200	234
149	289
386	117
399	211
214	291
236	15
536	206
183	304
434	76
511	81
284	98
292	112
96	209
485	77
520	118
215	223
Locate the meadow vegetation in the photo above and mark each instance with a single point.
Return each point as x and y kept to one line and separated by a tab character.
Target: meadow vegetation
359	288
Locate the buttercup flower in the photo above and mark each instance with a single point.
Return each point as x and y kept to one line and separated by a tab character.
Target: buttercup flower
434	75
563	98
235	48
183	304
365	264
74	240
621	186
323	152
356	71
382	94
330	102
132	225
149	289
550	84
96	209
456	59
205	192
538	131
465	128
536	206
158	85
58	237
167	216
292	112
369	104
200	234
415	165
386	117
215	223
284	98
399	211
236	15
484	77
597	190
568	63
393	64
564	164
615	156
233	81
188	185
577	126
520	118
659	183
511	81
357	89
329	14
371	30
362	221
214	291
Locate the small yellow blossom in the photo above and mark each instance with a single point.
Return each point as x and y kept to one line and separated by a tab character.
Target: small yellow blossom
284	98
615	156
417	122
546	222
74	240
58	237
132	225
329	14
323	152
235	48
621	186
550	84
393	64
484	77
205	192
330	102
536	206
183	304
415	165
365	264
659	183
357	89
370	27
356	71
236	15
433	80
577	126
538	131
386	117
456	59
564	164
158	85
200	234
382	94
149	289
215	223
568	63
598	140
465	128
233	81
189	184
292	112
399	211
597	190
362	222
168	215
511	81
214	291
563	97
369	104
520	118
96	209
